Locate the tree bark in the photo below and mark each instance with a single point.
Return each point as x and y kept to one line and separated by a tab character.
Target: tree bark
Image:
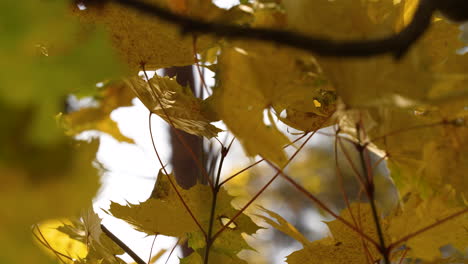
186	170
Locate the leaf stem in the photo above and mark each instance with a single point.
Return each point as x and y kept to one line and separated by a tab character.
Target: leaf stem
267	184
370	190
257	162
45	243
321	204
173	185
210	239
176	132
422	230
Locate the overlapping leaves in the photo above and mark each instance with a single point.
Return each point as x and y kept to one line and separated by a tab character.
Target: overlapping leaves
164	213
175	104
142	39
110	97
345	245
86	233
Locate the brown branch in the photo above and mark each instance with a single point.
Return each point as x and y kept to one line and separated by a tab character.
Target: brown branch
266	185
370	190
321	204
396	44
122	245
259	161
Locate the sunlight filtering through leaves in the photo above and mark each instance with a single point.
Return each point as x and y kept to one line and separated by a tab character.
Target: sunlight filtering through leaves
387	80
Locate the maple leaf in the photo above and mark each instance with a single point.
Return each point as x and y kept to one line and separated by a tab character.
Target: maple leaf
246	89
175	104
112	96
345	245
165	214
418	214
144	39
52	239
87	230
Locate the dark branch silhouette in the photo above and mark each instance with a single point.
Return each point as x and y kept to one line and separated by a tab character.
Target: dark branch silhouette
397	44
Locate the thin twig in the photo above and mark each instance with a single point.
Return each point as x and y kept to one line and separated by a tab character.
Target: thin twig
403	256
370	190
427	228
266	185
176	132
173	185
172	251
197	66
45	243
320	203
152	246
210	240
259	161
122	245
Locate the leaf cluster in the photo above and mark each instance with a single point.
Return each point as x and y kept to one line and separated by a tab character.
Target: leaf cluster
411	112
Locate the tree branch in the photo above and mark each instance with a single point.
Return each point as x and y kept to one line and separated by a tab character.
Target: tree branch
122	245
397	44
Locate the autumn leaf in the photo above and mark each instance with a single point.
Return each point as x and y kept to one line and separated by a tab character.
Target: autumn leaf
84	232
283	226
246	89
175	104
345	245
141	39
112	96
165	214
51	239
418	214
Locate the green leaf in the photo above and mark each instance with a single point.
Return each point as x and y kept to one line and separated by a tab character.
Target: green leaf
45	57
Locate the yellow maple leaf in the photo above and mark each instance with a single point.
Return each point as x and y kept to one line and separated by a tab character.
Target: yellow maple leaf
256	77
175	104
418	214
343	246
112	96
142	39
165	214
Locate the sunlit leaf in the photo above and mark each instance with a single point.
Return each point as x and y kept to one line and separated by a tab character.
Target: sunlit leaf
112	96
175	104
247	89
345	245
418	214
165	214
142	39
